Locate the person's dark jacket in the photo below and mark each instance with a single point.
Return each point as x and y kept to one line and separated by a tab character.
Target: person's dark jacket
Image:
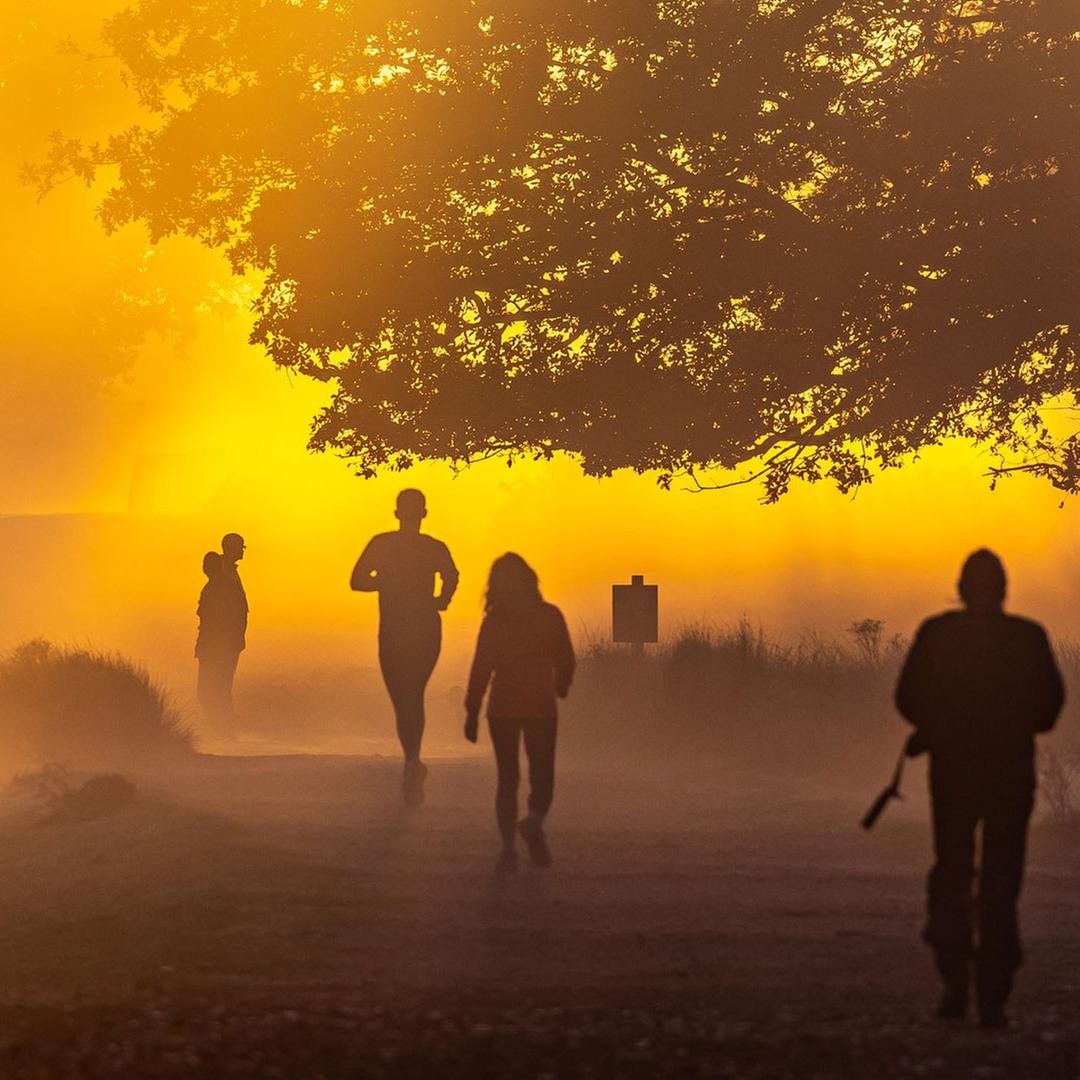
981	682
222	616
529	659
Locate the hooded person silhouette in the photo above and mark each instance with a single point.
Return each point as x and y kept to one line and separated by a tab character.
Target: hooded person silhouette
401	567
222	613
978	684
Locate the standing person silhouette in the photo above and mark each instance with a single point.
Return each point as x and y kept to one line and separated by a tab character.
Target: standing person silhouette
524	650
208	642
401	567
978	685
223	615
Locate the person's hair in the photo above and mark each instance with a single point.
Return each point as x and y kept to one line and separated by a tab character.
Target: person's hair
228	537
982	579
512	586
411	501
211	563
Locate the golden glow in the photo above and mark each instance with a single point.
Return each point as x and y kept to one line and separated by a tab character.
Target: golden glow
196	433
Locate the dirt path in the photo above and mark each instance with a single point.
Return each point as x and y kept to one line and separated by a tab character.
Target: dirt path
285	917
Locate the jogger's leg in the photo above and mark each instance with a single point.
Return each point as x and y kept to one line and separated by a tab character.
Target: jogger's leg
407	698
407	657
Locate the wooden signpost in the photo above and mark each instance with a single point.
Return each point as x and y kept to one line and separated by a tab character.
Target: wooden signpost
635	613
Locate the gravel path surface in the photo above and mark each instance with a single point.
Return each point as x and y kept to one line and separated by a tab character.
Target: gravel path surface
284	917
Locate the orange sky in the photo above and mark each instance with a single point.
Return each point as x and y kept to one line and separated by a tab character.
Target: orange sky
195	433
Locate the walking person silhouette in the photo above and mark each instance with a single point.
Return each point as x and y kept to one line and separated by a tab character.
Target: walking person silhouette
401	567
524	651
978	685
223	617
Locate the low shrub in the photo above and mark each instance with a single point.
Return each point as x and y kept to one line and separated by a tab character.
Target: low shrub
67	801
84	706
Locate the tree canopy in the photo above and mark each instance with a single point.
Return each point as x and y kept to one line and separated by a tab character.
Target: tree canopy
802	238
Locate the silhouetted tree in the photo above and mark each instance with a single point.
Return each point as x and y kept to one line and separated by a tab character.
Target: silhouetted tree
814	235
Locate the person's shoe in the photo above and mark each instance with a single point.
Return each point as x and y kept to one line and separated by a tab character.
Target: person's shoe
533	834
993	1016
507	861
954	1005
412	783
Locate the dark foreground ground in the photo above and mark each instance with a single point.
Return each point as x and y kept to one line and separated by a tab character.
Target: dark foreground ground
284	917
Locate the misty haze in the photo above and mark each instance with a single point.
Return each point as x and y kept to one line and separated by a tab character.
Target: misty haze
539	539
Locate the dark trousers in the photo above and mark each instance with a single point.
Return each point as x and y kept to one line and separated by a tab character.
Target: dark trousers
998	796
506	732
215	688
408	652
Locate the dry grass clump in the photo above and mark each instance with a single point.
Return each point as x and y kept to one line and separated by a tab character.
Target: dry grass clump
84	706
742	693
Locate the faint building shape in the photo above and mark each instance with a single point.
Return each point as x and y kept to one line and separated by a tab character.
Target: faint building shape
171	483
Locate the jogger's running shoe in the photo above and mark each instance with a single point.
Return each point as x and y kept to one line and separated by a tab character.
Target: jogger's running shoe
533	833
412	783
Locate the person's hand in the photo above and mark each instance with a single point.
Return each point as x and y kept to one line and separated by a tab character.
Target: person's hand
472	727
441	604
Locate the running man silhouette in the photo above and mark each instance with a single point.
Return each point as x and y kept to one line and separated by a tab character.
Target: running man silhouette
978	685
524	650
223	617
401	567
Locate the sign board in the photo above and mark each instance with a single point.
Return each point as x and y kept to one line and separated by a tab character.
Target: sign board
635	612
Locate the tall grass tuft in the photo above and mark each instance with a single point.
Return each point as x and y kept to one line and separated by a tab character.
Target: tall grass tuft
84	706
739	693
